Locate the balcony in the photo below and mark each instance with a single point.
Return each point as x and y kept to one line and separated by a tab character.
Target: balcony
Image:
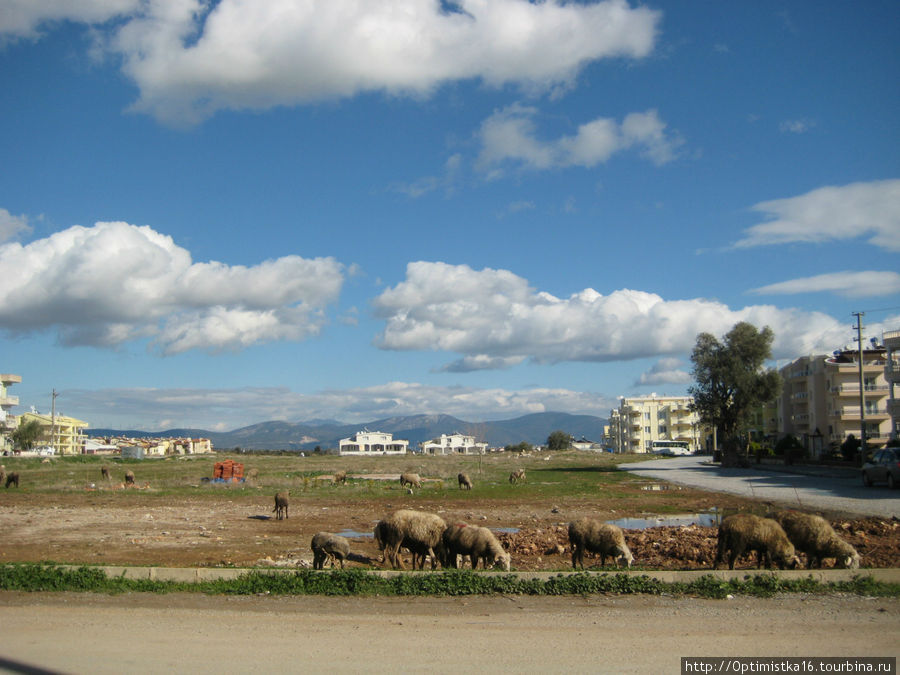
852	413
6	401
853	389
800	396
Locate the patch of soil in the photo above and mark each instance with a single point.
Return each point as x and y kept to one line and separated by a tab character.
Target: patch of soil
220	529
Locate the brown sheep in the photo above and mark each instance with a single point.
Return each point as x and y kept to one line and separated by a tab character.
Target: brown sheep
517	476
817	539
479	543
411	479
129	478
281	506
325	545
464	481
420	532
744	532
587	534
252	474
340	477
12	478
104	473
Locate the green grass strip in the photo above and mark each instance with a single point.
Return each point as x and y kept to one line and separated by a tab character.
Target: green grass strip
43	578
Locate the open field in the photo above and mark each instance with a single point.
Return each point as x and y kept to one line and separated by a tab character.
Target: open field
64	512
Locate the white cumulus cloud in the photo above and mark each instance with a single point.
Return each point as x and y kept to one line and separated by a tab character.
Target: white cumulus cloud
12	226
495	318
848	284
832	213
510	136
192	58
114	282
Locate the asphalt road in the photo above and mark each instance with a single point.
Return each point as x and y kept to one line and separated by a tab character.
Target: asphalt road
819	488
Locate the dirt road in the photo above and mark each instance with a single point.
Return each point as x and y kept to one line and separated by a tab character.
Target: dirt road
85	633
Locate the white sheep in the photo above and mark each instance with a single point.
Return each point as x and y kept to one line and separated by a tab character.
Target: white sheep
411	479
743	532
517	476
418	531
587	534
479	543
813	536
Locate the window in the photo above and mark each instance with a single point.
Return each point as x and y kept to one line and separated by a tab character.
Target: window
646	430
646	415
662	430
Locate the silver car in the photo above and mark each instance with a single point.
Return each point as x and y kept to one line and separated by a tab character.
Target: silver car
884	467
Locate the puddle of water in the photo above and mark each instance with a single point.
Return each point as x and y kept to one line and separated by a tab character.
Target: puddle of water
704	519
353	534
659	488
506	530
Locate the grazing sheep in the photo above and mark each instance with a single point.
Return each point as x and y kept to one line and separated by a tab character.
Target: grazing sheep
817	539
479	543
464	481
281	506
418	531
743	532
2	472
252	474
411	479
587	534
516	476
104	473
340	477
326	545
12	478
129	478
380	536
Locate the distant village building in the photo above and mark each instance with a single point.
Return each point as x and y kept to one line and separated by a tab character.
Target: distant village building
453	444
372	443
586	445
148	446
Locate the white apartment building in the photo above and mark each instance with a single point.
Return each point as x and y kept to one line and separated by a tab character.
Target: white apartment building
453	444
372	443
640	420
820	399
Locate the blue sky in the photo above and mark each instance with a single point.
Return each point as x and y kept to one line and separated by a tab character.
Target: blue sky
216	214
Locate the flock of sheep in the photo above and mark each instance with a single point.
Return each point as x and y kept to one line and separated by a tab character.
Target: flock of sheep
427	536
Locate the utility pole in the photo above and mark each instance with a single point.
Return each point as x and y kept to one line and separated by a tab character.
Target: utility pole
53	421
862	390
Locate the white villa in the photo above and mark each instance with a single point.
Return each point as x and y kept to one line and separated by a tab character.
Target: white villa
372	443
453	444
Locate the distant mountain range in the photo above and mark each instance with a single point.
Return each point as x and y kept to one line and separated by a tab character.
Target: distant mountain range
326	434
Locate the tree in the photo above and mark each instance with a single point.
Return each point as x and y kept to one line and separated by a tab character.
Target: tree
558	440
730	381
26	435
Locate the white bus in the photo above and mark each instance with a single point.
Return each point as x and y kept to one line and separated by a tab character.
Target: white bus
670	448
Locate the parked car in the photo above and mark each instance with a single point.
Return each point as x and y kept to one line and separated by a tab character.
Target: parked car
884	467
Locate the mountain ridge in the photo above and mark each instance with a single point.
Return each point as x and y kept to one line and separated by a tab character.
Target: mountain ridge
281	435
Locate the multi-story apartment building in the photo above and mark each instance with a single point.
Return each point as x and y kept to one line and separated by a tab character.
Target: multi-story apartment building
64	434
820	399
7	421
892	379
372	443
641	420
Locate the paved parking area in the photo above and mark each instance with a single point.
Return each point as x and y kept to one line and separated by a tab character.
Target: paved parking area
819	488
